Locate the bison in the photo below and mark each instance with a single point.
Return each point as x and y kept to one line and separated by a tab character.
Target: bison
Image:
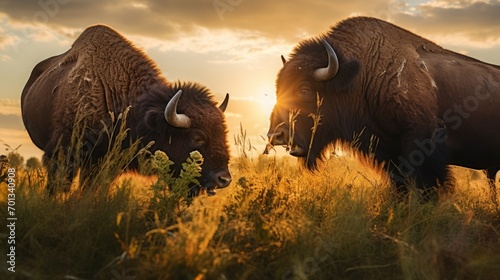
103	72
411	104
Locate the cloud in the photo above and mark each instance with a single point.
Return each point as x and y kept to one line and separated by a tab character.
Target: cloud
4	57
230	115
14	138
171	19
16	33
174	23
468	22
237	46
10	107
62	23
6	40
11	122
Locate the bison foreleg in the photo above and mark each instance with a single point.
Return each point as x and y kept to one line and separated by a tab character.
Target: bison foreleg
94	146
59	174
63	159
423	162
491	174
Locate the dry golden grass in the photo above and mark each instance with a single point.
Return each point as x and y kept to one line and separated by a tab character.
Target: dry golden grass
275	221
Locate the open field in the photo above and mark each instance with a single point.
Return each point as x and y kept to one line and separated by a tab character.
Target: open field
275	221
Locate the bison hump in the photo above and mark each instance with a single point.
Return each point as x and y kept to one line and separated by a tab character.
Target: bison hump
110	71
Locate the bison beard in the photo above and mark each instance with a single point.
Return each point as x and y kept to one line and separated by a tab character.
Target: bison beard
72	95
378	81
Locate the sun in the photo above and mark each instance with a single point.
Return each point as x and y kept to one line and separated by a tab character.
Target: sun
266	98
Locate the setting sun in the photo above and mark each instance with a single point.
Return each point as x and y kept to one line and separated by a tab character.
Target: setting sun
267	99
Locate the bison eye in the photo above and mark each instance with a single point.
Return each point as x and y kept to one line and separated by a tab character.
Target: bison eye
198	138
305	90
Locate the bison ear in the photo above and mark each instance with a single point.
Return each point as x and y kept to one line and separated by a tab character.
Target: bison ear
344	80
153	118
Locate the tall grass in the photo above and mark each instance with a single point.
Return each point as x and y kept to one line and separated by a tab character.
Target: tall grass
275	221
316	122
78	156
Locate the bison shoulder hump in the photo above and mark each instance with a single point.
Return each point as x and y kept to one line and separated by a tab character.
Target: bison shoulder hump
99	35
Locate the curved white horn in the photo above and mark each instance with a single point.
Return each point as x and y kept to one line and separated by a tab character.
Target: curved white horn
174	119
223	105
324	74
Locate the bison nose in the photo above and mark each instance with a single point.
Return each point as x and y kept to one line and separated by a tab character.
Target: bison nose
278	137
223	178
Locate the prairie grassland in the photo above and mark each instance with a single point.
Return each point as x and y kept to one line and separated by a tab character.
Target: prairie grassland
275	221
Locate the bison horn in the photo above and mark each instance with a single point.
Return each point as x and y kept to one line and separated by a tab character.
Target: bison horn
223	105
174	119
324	74
283	59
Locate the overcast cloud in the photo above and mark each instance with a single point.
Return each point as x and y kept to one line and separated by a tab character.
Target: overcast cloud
286	20
479	22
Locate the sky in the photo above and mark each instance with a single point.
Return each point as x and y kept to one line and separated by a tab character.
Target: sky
231	46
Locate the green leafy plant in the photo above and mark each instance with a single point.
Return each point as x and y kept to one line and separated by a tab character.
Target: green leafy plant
171	194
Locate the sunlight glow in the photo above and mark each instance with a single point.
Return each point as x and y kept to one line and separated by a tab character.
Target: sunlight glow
266	99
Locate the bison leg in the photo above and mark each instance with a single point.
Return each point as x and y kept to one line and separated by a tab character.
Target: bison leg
423	162
491	174
62	165
60	174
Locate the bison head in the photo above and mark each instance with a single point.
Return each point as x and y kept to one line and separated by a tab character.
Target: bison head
183	118
313	84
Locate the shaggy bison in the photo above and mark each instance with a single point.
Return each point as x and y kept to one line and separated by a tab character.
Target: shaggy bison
102	73
416	106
